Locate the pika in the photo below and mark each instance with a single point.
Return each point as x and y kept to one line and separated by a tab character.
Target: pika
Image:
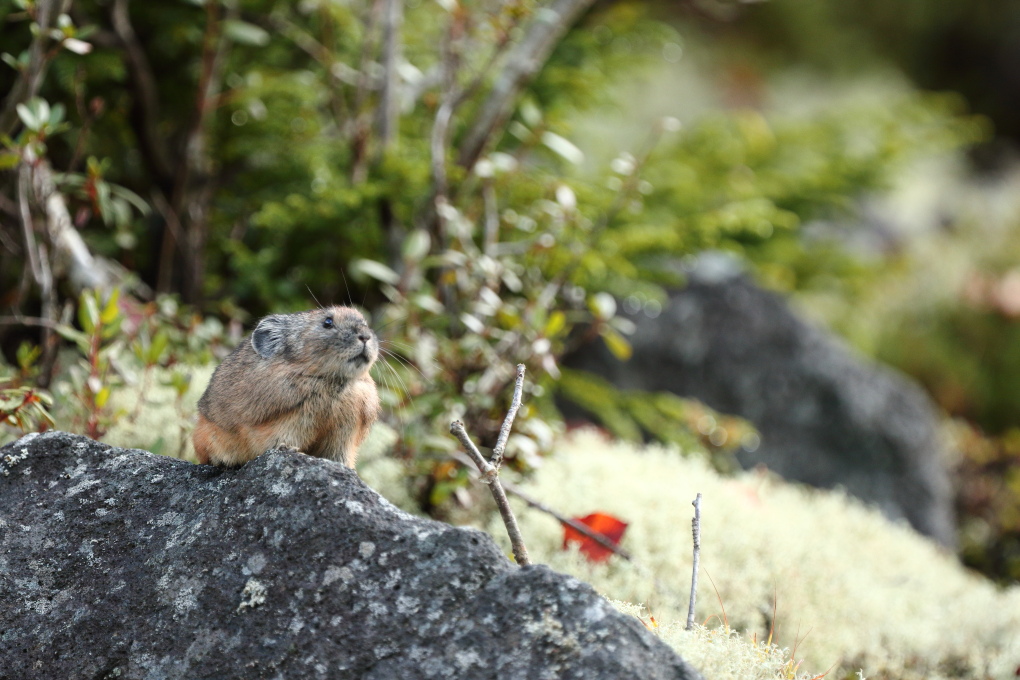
301	381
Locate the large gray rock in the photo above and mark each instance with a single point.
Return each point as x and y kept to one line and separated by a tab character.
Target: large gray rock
118	563
827	416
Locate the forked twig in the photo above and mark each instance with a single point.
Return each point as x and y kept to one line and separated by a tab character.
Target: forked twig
504	431
490	475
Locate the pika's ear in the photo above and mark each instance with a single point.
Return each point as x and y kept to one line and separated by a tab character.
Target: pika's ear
269	336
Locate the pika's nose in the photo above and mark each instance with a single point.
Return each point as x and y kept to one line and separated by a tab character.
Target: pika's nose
365	336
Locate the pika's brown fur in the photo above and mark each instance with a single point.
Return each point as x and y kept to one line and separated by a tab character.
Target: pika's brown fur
301	380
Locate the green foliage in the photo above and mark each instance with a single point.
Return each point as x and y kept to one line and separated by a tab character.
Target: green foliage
746	182
294	185
127	358
98	342
988	501
24	408
634	415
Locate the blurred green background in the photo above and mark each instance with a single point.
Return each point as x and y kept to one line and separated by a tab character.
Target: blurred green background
221	160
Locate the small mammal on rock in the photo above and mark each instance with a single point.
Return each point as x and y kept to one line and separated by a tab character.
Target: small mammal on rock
300	381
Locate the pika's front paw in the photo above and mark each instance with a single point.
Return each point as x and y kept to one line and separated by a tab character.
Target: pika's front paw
284	446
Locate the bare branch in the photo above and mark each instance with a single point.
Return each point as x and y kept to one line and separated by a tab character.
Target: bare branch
504	431
70	255
389	99
194	183
28	321
28	229
491	477
146	103
696	531
548	25
361	121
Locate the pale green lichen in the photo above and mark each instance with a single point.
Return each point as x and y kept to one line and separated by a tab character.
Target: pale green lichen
853	589
163	424
253	595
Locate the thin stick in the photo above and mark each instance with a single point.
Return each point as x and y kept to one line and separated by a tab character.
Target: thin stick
504	432
696	531
582	529
490	475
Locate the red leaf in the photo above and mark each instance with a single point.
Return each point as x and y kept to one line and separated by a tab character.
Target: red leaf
607	525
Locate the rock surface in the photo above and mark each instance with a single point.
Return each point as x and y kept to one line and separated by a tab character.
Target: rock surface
827	416
118	563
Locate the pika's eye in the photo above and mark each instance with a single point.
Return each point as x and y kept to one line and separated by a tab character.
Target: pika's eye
327	323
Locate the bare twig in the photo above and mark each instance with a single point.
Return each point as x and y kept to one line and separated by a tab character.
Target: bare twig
504	431
146	104
70	253
195	183
48	296
487	471
28	321
696	531
547	26
491	232
361	117
28	229
389	98
491	477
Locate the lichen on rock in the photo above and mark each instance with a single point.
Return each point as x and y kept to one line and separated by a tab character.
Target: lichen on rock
121	563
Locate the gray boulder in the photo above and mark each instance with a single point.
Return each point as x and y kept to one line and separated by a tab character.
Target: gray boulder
118	563
827	416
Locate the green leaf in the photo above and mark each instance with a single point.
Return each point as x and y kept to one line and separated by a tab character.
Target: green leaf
375	270
103	198
563	147
111	310
158	346
27	117
557	322
77	46
88	312
180	381
416	245
27	355
244	33
9	160
616	343
75	336
603	305
9	59
131	197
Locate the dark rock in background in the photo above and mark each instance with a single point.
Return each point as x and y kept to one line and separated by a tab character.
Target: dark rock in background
118	563
827	416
